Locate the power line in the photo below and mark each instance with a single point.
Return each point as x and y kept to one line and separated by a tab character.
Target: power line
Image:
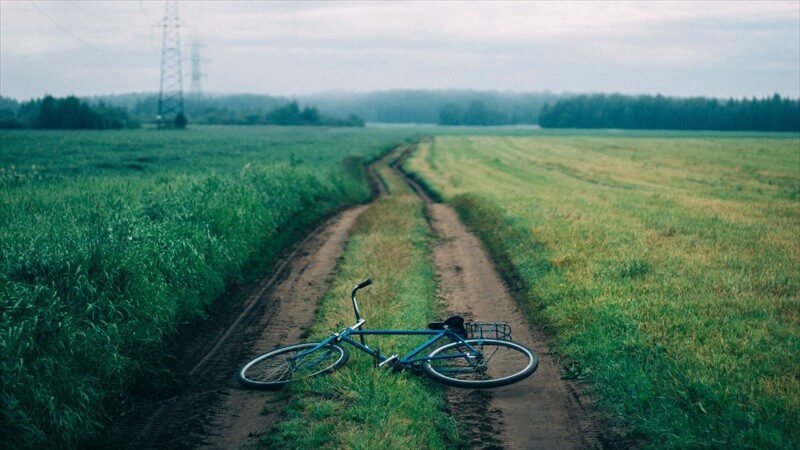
66	30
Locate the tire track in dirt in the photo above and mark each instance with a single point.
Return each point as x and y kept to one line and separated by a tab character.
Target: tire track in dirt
213	411
541	412
295	299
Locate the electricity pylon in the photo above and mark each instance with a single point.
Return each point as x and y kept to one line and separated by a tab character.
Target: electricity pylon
170	94
197	74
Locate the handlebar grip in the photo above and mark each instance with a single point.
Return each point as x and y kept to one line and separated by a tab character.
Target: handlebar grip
363	284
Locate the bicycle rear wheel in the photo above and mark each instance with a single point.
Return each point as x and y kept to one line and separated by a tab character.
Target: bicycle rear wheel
496	363
283	365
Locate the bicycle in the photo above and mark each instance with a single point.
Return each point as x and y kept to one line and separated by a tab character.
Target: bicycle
477	355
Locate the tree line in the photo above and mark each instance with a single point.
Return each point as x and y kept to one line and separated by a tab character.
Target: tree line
74	113
240	109
398	106
290	115
445	107
441	107
69	113
476	113
669	113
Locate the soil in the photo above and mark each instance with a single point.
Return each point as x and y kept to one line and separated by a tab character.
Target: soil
539	412
213	411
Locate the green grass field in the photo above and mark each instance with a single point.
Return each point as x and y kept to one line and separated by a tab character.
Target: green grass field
111	240
200	149
666	268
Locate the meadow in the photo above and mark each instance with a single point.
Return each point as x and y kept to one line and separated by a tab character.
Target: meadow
665	267
110	241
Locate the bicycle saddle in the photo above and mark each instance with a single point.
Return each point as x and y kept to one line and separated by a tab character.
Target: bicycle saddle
453	323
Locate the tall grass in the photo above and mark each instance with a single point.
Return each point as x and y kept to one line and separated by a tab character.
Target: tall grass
358	406
97	270
199	149
665	268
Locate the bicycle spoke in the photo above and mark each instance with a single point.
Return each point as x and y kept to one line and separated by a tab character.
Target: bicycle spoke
482	363
283	365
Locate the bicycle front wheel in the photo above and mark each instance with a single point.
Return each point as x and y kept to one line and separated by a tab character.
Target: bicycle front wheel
283	365
489	363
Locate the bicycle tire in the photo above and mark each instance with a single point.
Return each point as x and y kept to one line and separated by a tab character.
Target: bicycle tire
500	363
274	369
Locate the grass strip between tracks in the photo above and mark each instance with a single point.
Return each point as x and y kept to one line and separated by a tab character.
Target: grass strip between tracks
359	406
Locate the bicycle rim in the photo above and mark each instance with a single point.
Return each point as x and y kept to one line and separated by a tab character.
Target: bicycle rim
278	367
496	363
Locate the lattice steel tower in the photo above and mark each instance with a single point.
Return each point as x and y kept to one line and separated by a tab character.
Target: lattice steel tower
170	94
197	74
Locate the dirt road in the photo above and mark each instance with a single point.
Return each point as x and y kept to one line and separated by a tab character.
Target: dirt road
213	411
543	411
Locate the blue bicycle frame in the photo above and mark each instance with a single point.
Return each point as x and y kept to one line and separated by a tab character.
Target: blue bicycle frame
409	360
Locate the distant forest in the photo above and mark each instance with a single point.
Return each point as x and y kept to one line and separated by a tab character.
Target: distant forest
665	113
430	107
130	111
455	107
70	113
330	109
450	107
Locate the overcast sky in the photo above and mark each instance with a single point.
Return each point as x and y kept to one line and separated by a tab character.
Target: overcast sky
720	49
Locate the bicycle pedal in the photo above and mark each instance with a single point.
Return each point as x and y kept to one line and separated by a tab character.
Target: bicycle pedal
390	361
376	358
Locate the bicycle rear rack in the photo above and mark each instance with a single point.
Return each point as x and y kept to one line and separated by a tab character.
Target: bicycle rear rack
480	330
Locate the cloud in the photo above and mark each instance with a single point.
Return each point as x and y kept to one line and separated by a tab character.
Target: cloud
685	48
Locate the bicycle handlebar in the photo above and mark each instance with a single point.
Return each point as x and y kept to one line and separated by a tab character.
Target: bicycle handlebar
363	284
